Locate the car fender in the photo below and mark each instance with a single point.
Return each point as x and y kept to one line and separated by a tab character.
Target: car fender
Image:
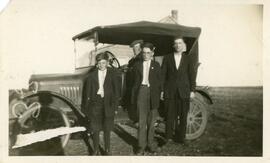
75	109
206	96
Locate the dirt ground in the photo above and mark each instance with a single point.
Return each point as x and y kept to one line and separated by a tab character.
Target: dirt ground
234	128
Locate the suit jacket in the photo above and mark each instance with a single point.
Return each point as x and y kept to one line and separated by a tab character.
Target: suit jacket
154	81
130	73
134	60
181	80
111	93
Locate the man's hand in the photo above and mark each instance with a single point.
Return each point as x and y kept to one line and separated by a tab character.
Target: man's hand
162	95
192	95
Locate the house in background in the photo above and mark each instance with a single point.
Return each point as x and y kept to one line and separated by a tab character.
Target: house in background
171	19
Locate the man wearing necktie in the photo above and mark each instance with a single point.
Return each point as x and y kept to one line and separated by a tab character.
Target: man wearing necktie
179	76
101	95
146	93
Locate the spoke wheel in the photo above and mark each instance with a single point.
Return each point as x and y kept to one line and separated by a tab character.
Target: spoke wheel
197	118
40	117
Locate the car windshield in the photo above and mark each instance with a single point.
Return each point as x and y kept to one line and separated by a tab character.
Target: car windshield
85	52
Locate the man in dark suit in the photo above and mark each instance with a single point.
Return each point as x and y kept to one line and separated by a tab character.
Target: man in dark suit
136	46
179	76
132	108
146	93
101	100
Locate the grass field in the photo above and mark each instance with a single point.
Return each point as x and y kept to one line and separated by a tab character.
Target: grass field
235	125
234	128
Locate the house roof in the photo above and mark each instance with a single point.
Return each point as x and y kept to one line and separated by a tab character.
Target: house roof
168	20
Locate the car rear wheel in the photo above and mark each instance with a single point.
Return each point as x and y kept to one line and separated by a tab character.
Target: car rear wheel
197	118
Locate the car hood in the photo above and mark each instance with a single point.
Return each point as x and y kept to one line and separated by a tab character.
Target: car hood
79	74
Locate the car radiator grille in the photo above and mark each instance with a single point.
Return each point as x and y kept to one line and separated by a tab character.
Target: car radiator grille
72	92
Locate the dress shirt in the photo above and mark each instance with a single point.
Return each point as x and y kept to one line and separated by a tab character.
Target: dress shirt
101	79
177	58
146	68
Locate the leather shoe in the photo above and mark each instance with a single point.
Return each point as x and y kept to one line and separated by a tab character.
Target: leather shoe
96	153
108	153
154	150
183	143
169	141
140	152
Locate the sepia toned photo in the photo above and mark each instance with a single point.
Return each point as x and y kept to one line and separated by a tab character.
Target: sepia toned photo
104	78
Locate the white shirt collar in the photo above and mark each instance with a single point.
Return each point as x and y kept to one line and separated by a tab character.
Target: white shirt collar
104	71
177	58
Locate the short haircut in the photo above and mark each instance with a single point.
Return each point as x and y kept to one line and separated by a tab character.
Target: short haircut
179	37
148	45
102	55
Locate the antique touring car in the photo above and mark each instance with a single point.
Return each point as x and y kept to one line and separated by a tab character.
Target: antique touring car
54	100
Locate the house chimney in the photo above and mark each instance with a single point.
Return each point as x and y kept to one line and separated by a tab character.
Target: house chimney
175	15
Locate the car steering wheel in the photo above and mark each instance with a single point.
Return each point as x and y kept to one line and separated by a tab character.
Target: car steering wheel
113	61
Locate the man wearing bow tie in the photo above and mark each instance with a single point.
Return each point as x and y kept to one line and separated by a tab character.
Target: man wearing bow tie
179	74
146	93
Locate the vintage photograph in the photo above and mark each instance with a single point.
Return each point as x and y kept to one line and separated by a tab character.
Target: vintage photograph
123	78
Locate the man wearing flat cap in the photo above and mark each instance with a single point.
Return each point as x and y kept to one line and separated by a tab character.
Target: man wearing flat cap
132	109
137	49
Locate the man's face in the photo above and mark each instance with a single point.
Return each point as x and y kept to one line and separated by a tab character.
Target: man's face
179	45
147	53
137	49
102	64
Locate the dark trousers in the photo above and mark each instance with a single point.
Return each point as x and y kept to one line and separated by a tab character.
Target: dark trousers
177	110
107	135
100	122
147	117
131	108
133	112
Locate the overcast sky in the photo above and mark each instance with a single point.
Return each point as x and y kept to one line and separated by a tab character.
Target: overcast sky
36	35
